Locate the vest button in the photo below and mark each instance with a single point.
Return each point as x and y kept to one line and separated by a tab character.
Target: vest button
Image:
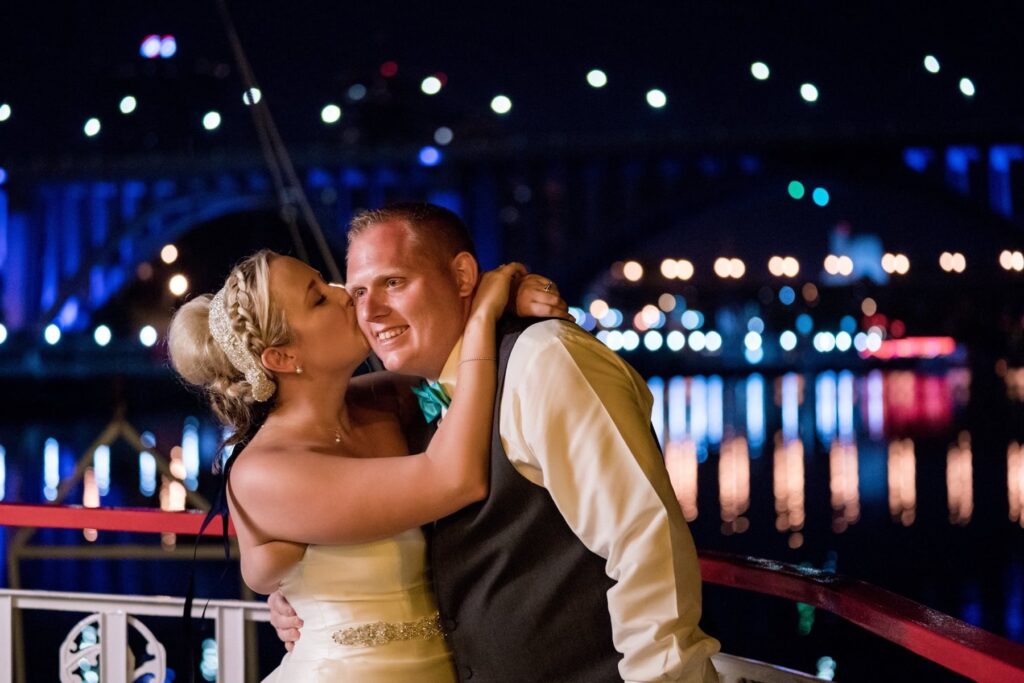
467	673
450	625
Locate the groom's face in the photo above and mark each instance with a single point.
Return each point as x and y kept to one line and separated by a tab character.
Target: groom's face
408	300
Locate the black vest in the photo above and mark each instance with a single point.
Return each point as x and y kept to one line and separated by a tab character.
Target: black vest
522	600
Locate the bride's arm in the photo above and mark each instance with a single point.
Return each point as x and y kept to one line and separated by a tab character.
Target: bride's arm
307	497
264	565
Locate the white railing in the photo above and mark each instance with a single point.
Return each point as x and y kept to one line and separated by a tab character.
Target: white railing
112	616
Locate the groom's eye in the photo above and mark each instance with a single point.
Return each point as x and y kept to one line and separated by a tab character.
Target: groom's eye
393	282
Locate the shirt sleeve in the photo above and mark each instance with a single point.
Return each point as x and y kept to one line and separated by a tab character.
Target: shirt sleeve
575	419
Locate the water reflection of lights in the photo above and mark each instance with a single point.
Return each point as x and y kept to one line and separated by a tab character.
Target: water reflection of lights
755	410
844	485
676	408
734	485
716	409
825	391
172	493
788	488
51	469
190	452
657	388
90	499
681	462
844	405
902	481
875	413
1014	379
960	480
101	468
791	395
699	414
1015	481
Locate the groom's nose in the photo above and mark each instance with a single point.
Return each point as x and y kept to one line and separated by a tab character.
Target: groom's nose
373	304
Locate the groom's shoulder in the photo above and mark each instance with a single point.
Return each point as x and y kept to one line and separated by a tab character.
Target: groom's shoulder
551	334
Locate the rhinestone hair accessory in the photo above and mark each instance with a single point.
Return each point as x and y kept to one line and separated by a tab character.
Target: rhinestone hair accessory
220	328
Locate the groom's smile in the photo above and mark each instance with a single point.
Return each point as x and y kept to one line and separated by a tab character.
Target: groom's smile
391	333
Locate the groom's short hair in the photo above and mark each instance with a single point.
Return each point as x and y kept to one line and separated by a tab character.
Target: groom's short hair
436	229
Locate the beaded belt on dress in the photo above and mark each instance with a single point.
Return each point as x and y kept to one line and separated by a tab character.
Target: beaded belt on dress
383	632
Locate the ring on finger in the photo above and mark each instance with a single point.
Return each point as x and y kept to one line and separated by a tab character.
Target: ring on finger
548	286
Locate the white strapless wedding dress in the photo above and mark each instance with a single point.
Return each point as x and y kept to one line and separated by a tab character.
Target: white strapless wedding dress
369	616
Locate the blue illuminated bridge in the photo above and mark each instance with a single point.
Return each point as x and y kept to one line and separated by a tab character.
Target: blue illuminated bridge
74	235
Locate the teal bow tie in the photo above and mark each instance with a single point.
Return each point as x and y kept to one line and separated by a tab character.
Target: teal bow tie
432	399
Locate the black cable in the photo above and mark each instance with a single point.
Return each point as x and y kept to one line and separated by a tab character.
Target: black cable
289	188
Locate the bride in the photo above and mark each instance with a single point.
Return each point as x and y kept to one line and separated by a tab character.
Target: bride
326	501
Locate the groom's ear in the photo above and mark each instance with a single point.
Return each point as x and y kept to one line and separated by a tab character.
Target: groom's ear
467	273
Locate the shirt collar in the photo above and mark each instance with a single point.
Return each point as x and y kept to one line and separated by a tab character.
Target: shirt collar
450	372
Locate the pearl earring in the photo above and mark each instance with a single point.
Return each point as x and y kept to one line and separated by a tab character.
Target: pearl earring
298	370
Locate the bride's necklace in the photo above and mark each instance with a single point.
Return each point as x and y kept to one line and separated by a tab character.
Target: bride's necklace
335	432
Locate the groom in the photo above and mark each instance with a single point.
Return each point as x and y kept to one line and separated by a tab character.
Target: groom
578	567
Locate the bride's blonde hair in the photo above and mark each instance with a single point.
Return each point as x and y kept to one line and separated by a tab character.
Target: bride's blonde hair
258	323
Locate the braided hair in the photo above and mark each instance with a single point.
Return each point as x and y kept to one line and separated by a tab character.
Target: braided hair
200	361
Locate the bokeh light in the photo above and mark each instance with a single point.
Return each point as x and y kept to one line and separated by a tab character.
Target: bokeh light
211	120
150	46
633	271
128	104
330	114
252	96
168	47
443	135
599	308
431	85
178	284
809	92
51	334
148	335
501	104
656	98
597	78
102	335
429	156
931	64
760	71
92	127
169	254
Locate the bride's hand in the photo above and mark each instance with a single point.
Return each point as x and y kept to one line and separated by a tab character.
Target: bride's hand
492	295
538	297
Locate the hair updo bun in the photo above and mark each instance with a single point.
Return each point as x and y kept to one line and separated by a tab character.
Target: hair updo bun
200	360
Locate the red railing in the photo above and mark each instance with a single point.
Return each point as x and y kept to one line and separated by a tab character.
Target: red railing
949	642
